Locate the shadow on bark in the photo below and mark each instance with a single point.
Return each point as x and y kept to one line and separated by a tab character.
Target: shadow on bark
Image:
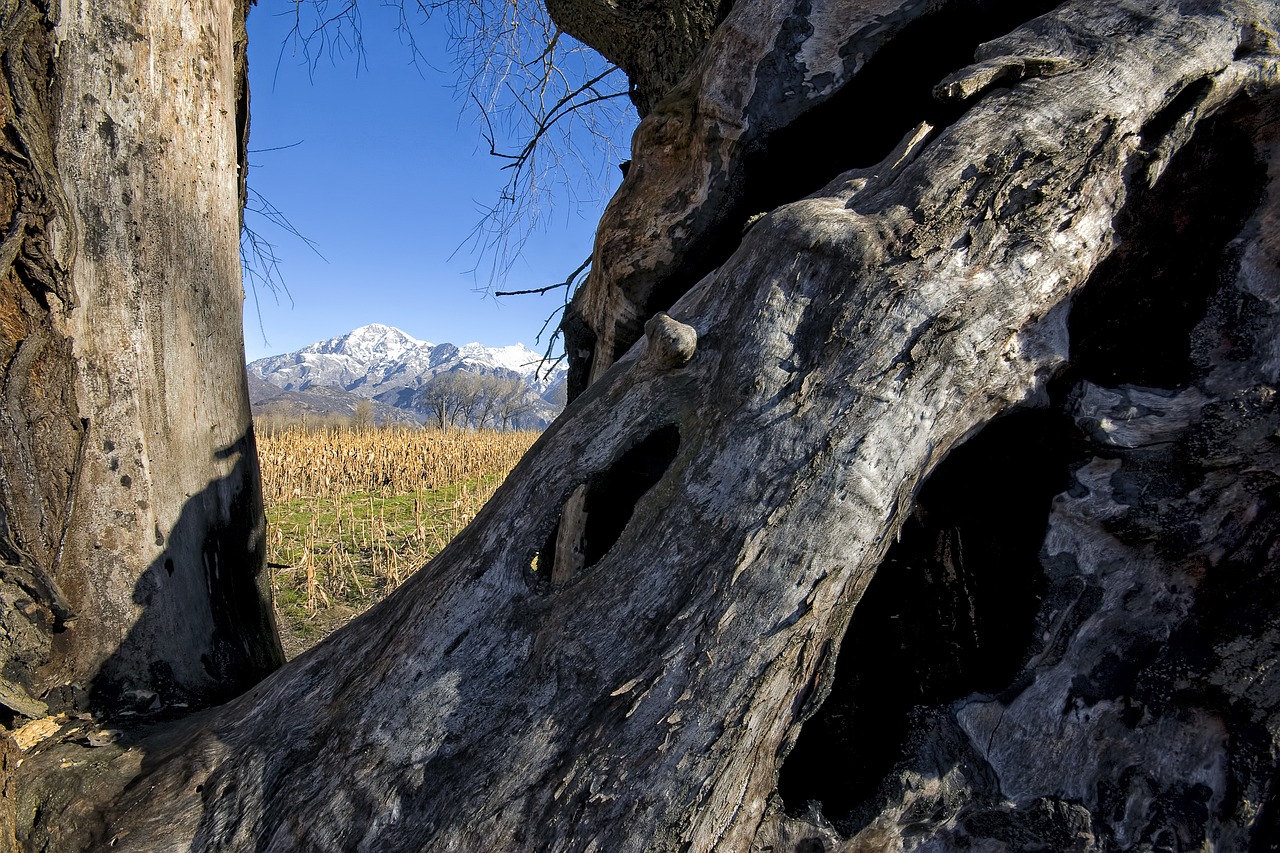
208	578
206	635
949	612
1132	322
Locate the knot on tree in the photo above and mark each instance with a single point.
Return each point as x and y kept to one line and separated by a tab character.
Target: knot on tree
671	344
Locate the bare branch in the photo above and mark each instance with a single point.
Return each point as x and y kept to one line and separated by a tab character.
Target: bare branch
548	106
259	262
568	283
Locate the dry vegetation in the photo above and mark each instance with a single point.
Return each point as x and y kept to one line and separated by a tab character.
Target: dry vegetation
352	512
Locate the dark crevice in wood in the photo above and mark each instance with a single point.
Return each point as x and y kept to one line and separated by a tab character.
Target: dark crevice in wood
611	499
891	94
539	572
1159	125
1132	321
579	349
1267	839
949	612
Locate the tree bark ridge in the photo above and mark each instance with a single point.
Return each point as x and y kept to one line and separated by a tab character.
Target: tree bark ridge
39	428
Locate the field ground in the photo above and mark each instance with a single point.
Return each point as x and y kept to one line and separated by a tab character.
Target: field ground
352	513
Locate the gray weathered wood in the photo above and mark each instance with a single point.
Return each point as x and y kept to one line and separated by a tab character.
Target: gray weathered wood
130	513
820	361
851	340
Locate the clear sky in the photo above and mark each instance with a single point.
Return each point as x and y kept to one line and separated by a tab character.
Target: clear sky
381	169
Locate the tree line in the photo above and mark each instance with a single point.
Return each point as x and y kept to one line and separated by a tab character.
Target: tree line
456	400
462	398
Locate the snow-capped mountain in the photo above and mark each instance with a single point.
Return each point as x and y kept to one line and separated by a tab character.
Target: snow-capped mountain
386	365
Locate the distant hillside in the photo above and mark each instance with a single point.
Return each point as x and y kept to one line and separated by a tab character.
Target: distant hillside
385	365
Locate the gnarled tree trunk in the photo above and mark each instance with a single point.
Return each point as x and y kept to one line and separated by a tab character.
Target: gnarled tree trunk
970	435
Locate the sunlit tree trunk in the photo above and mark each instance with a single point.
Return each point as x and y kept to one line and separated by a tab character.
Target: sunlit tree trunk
131	524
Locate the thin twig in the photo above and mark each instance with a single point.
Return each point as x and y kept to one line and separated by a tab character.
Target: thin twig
568	282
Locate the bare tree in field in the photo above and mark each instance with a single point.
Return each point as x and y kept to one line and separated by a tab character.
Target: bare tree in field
446	396
470	396
491	402
919	487
511	401
363	417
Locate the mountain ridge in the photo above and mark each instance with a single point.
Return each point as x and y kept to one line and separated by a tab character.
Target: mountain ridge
384	364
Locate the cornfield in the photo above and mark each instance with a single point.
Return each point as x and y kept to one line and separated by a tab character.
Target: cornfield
352	513
333	463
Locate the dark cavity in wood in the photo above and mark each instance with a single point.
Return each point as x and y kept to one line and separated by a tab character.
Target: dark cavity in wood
611	500
949	612
1132	321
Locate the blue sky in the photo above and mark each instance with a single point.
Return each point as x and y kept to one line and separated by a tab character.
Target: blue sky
379	166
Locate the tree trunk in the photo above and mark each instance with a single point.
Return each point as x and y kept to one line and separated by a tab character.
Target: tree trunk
653	41
129	498
971	435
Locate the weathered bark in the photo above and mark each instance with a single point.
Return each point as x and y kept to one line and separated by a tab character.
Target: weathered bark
41	430
748	467
129	506
753	125
1114	688
653	41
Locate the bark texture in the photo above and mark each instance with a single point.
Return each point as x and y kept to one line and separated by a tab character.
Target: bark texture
959	459
752	126
129	506
653	41
1115	688
41	429
746	468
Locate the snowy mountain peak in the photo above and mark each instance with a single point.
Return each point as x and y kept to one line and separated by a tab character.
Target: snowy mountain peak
386	365
516	357
369	344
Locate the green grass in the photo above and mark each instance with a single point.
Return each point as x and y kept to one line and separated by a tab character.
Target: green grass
332	558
